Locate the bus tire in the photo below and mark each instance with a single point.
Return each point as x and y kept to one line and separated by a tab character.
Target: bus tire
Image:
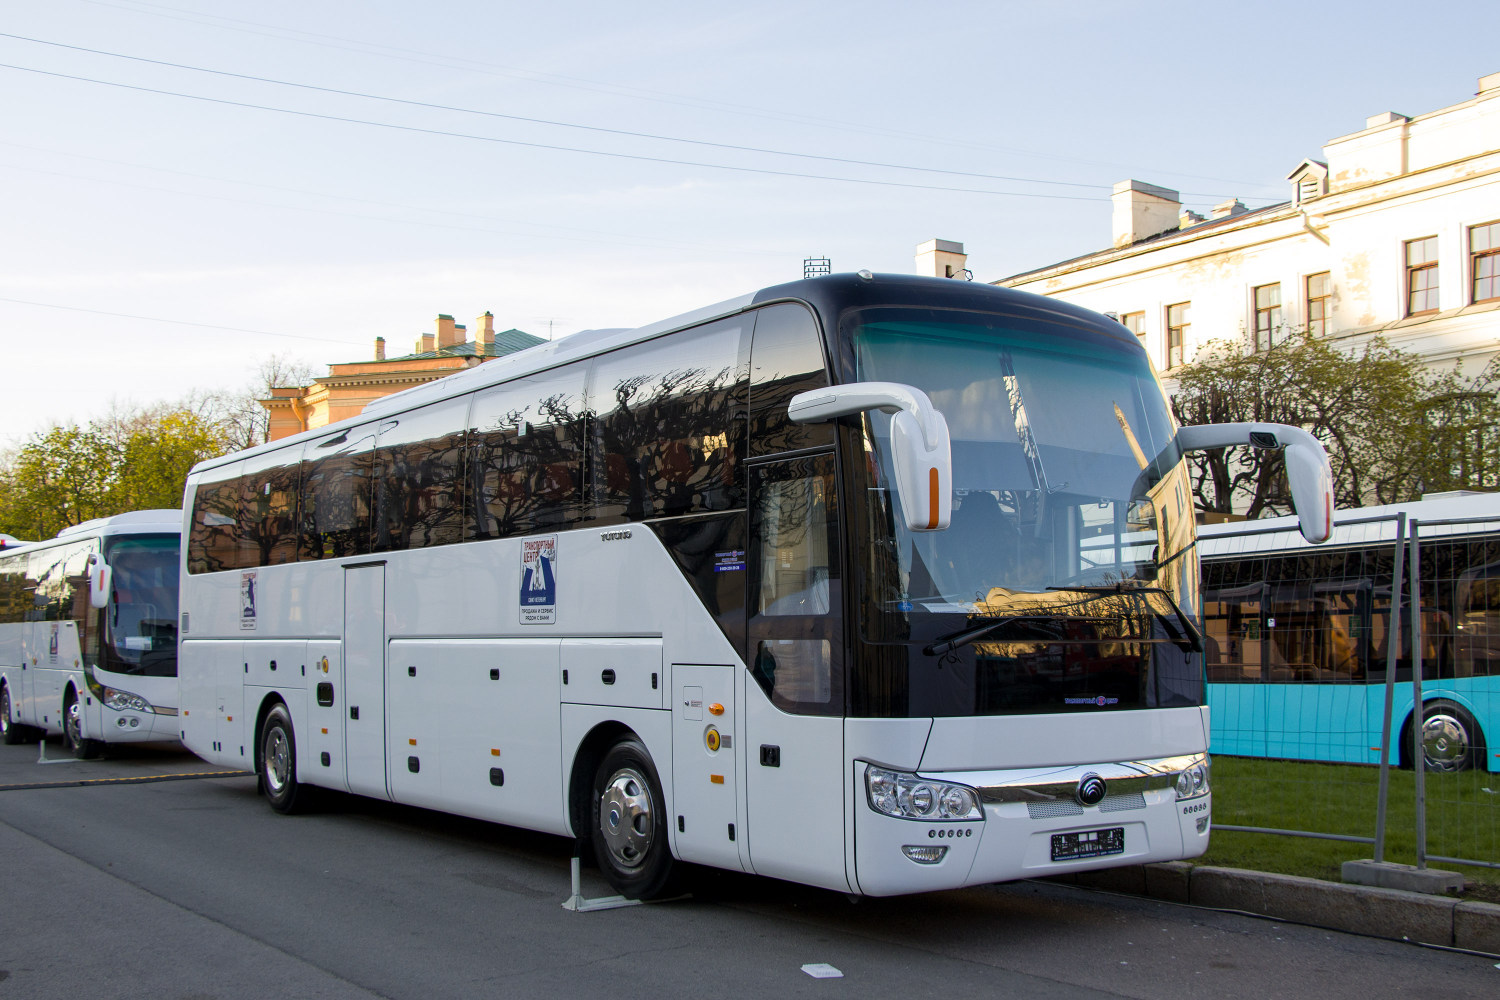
629	827
11	731
73	738
276	763
1451	740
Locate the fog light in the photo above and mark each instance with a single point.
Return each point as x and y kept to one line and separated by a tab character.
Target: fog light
134	723
924	855
121	723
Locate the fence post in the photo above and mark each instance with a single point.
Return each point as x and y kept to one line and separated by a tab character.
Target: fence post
1418	756
1393	631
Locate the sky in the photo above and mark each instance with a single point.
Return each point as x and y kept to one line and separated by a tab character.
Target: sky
193	186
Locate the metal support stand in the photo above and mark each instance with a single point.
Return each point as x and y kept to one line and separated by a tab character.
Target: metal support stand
578	904
42	757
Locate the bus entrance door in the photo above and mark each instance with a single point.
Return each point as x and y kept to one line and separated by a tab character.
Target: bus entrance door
705	782
364	679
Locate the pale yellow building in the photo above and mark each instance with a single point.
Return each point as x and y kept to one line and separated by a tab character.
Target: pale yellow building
349	386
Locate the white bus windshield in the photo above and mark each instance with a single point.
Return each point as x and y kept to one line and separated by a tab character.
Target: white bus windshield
140	623
1068	490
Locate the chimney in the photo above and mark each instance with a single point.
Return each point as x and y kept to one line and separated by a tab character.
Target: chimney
941	259
426	343
1143	210
447	333
379	348
1187	217
1226	209
484	333
1488	83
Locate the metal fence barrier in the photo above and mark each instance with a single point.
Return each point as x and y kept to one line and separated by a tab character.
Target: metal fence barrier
1332	673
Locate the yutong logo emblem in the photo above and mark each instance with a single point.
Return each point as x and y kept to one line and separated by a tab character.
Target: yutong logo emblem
615	536
1090	790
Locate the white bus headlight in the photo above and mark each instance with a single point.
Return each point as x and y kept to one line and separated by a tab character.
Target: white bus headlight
1192	781
910	796
122	701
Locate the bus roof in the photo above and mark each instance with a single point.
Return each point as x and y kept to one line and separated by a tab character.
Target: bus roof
822	292
131	522
1355	526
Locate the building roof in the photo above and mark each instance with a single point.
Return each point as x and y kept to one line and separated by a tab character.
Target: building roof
1185	233
506	342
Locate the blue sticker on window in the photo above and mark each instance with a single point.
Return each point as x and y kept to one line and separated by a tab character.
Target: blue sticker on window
731	560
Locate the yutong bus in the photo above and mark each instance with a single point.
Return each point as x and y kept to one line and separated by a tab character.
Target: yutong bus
88	633
693	592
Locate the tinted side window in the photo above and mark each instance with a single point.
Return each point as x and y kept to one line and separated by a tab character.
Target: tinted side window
786	357
268	510
526	455
664	435
14	598
336	495
419	477
213	543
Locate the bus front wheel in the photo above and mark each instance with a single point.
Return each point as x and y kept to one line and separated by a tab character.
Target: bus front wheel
1451	740
276	753
82	747
629	827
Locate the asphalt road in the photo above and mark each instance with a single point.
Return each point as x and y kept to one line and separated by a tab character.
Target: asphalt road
194	888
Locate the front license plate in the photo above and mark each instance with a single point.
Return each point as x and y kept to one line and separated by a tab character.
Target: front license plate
1088	844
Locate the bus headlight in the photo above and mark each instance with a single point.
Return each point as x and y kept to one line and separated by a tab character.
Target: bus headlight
1192	781
911	796
122	701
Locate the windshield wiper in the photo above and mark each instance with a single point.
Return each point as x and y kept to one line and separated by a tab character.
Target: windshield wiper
1193	641
958	639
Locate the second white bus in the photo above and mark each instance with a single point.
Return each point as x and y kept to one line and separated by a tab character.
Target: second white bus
88	633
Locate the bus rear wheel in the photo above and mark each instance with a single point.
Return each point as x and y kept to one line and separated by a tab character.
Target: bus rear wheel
629	827
81	747
276	763
1451	740
11	731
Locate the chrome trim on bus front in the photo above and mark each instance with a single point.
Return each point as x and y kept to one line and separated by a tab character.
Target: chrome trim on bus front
1061	784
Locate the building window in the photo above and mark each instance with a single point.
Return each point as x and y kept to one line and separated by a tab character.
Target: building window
1484	261
1317	304
1421	276
1267	315
1177	328
1136	324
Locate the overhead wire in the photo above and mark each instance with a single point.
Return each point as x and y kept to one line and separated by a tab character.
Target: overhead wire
564	124
541	145
636	93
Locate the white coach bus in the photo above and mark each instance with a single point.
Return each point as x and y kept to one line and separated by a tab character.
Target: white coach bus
816	583
88	633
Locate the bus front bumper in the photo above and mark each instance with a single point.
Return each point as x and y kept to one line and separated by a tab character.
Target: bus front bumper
1034	825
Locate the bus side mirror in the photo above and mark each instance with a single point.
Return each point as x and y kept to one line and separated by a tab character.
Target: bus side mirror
1307	468
100	578
920	449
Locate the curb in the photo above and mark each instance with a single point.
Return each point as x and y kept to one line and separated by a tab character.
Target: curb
1356	909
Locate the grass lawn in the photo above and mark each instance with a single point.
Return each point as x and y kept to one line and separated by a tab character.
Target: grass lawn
1463	818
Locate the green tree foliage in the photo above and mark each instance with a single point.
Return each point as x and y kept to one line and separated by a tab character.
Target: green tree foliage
1394	428
126	461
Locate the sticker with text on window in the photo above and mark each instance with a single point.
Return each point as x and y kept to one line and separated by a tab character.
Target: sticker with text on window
539	581
247	600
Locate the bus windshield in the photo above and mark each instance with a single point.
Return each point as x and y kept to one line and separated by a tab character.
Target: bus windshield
1072	527
140	622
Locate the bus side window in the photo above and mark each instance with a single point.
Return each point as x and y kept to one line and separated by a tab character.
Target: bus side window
794	585
212	541
267	534
525	456
336	495
419	477
786	357
664	439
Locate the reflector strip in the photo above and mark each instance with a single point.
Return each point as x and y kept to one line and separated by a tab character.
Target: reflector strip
932	499
717	779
